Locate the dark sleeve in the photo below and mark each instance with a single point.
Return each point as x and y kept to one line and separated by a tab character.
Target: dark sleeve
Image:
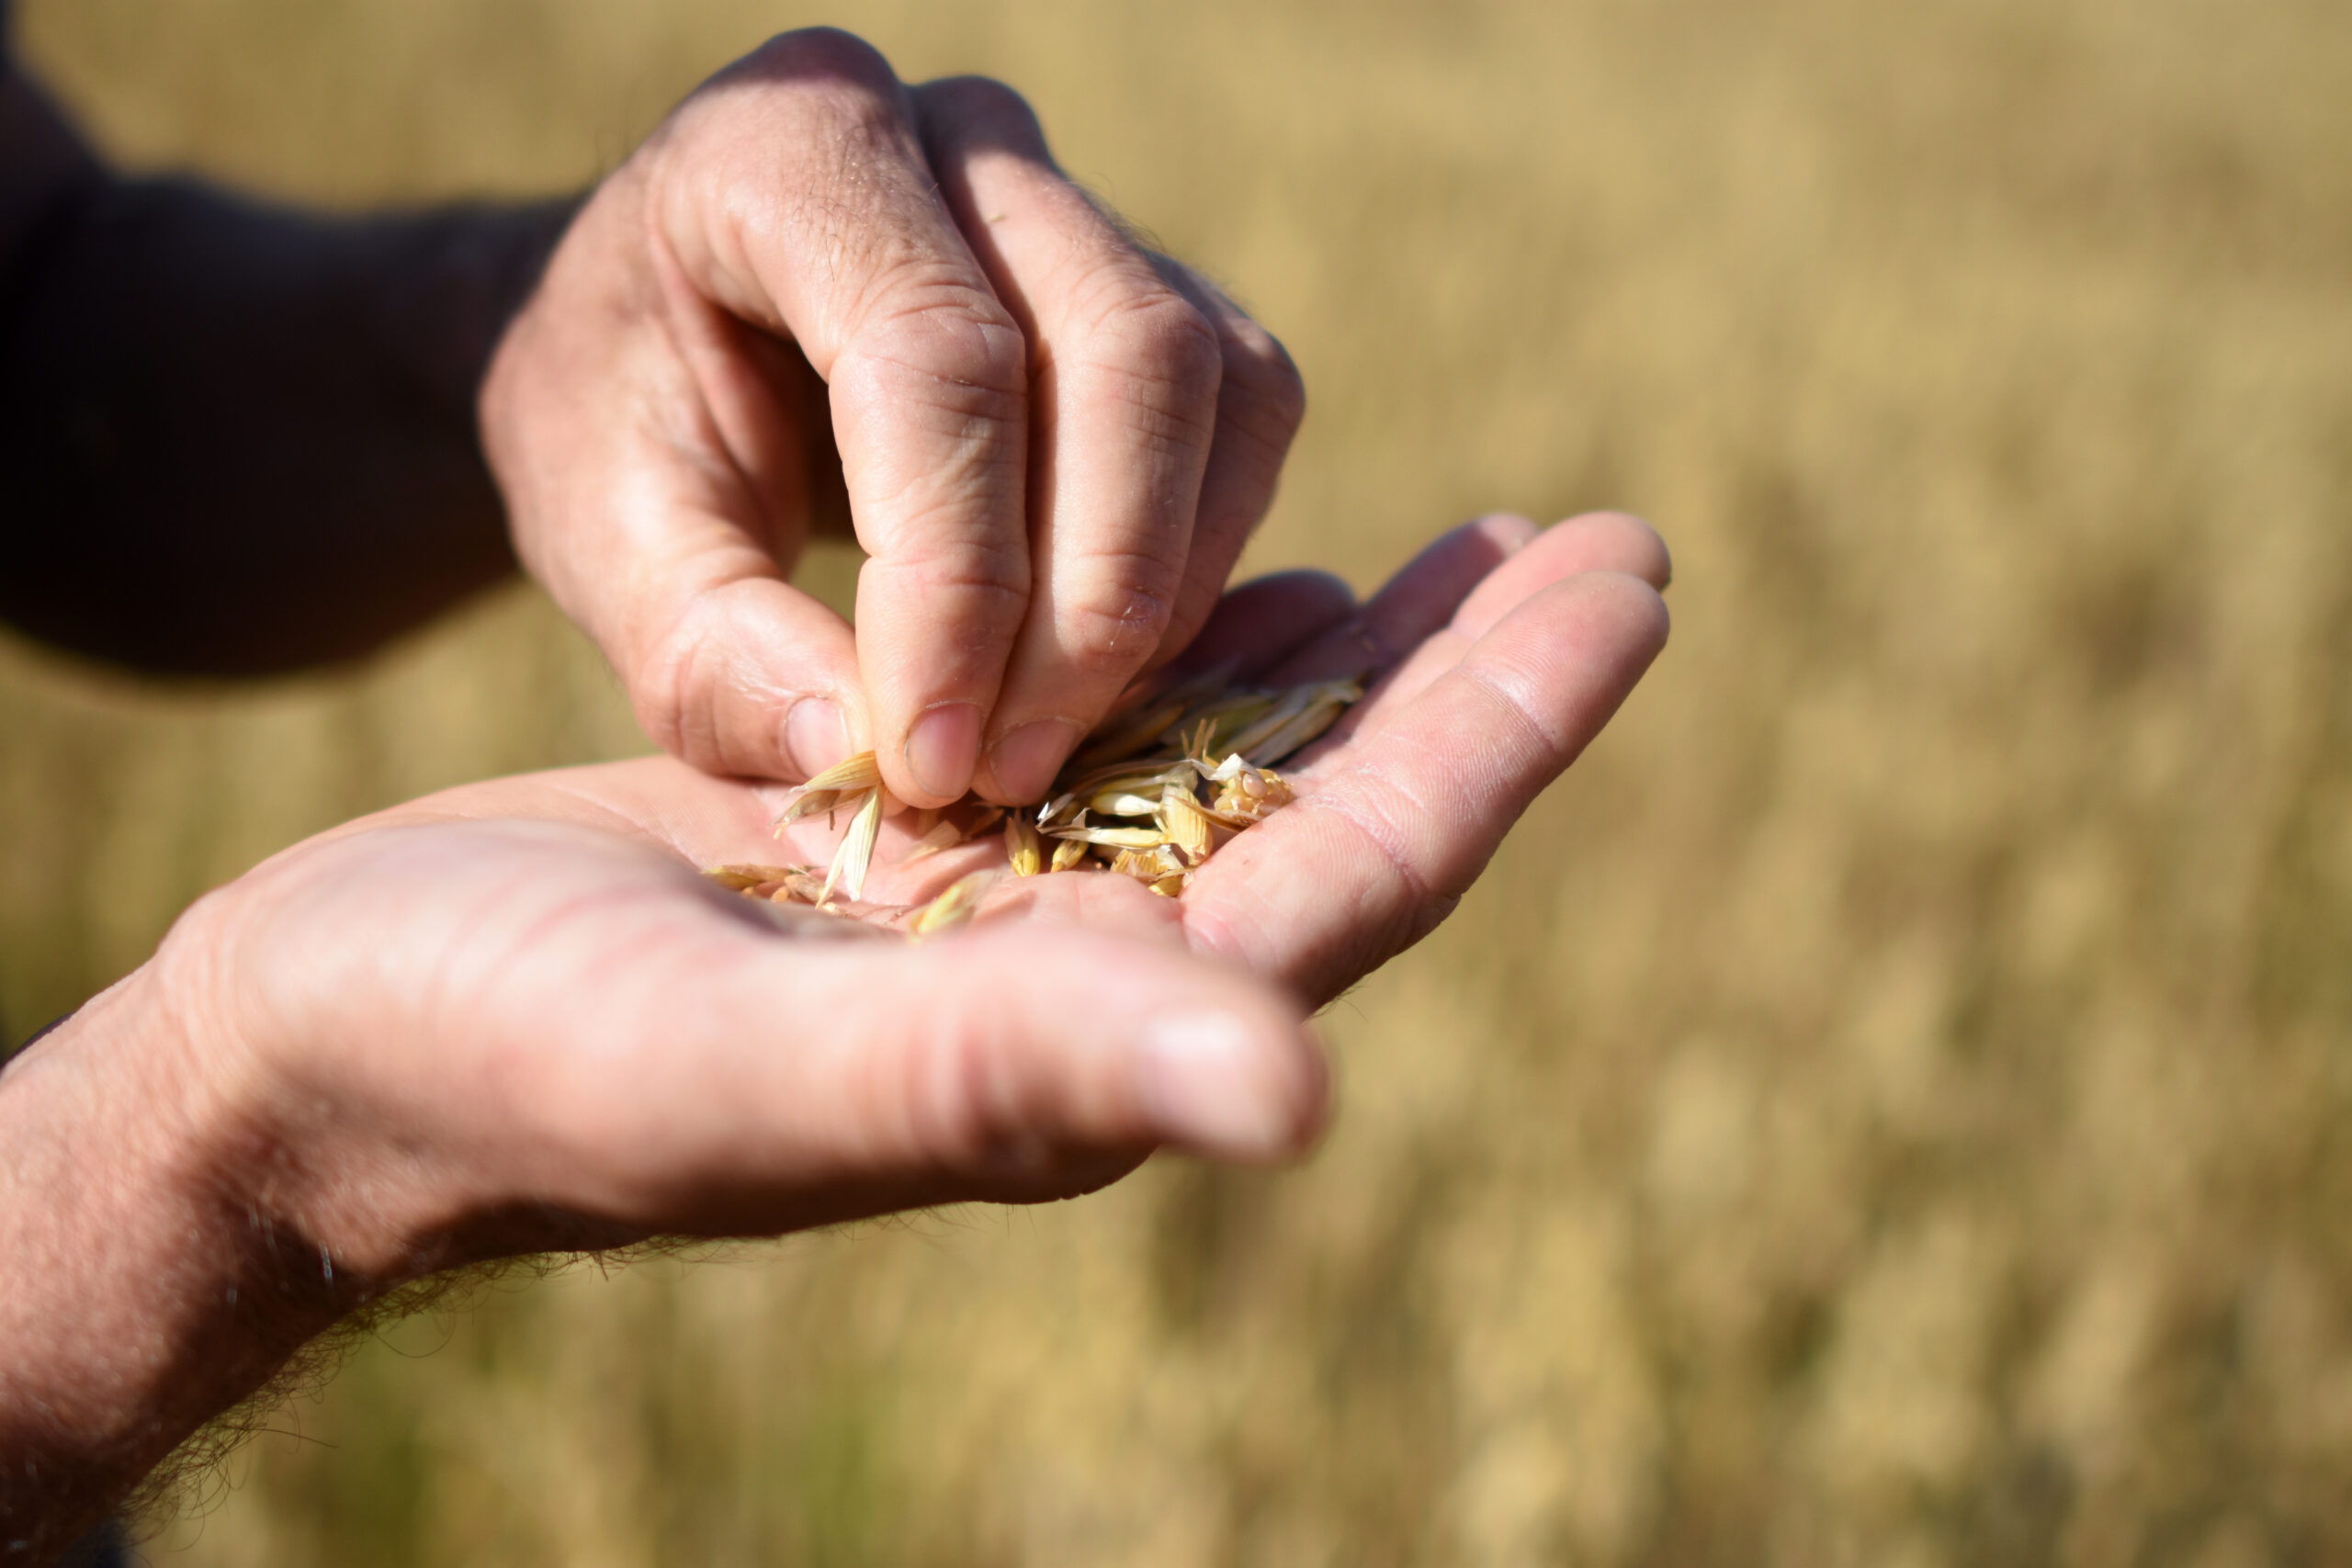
235	438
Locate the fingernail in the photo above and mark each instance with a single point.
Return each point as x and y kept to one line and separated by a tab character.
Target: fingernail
815	734
1025	760
1204	1081
942	748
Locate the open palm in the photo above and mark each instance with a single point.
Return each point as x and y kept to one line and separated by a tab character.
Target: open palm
534	1025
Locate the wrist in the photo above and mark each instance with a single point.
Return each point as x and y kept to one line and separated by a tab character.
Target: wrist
316	1131
143	1299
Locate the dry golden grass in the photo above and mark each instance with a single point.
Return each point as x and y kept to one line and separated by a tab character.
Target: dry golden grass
1889	1106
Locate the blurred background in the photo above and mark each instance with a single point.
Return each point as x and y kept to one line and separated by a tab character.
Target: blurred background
1888	1105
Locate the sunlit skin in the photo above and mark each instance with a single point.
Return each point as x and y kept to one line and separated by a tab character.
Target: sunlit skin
514	1017
1054	442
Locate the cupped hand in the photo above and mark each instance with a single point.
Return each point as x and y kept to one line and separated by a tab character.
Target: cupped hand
813	278
513	1017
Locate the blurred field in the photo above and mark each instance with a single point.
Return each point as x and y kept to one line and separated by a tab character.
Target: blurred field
1892	1105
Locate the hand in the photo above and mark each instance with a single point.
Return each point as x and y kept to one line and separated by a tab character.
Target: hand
513	1018
527	980
1499	652
1054	442
526	977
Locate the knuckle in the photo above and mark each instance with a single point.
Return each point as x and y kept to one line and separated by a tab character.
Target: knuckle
818	55
983	103
937	327
1265	380
1154	332
820	91
950	569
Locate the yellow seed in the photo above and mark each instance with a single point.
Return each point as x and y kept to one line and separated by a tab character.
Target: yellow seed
1148	865
800	886
1244	795
958	904
1156	825
942	835
1020	846
1186	825
1251	799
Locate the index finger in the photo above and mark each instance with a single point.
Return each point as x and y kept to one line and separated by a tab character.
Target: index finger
859	262
1403	821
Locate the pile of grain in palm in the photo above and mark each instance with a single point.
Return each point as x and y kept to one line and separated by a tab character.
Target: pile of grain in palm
1154	791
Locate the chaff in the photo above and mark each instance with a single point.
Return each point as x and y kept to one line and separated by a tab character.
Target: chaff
1152	794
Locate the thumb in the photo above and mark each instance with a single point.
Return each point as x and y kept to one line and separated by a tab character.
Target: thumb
813	1079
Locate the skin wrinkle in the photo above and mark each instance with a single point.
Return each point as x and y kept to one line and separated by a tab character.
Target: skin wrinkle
913	283
947	311
884	482
1168	343
667	966
1539	737
1177	438
706	553
444	981
1360	809
1102	270
1650	607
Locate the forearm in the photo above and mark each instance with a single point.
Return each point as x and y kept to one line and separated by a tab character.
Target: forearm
235	438
138	1297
